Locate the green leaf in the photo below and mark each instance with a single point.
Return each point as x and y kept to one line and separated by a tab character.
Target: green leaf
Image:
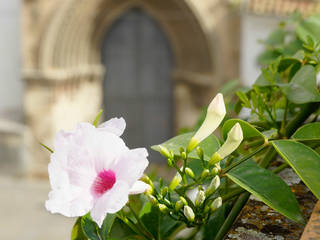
285	63
216	221
309	27
210	145
308	132
303	86
106	226
77	233
304	161
151	219
96	120
248	130
121	231
268	187
89	227
244	99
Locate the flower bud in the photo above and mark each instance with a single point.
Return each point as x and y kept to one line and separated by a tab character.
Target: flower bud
183	155
147	180
175	182
200	152
167	202
189	172
179	205
165	152
215	114
152	199
188	213
163	208
181	150
204	174
183	200
206	209
214	171
164	191
201	196
213	186
215	158
170	162
216	204
235	137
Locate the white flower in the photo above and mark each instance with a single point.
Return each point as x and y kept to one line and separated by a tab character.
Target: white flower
235	137
215	114
93	170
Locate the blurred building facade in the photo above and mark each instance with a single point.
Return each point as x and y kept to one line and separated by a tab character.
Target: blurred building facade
155	62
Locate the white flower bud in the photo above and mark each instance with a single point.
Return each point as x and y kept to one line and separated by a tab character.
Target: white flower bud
188	213
235	137
175	182
215	114
216	204
215	183
201	196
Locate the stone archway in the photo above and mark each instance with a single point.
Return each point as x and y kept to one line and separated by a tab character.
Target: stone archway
65	70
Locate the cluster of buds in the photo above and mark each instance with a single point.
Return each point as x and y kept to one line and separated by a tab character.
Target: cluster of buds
197	199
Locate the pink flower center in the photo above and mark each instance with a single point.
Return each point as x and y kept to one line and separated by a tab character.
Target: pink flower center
103	182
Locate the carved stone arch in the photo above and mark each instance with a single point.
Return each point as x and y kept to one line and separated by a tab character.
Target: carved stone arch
73	39
67	71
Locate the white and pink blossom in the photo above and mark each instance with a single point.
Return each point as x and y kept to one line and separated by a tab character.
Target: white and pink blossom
92	170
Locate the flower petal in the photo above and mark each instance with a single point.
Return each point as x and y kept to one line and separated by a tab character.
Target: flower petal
139	187
131	165
114	125
110	202
70	202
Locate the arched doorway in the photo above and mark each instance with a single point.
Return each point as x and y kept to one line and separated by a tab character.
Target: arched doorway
138	82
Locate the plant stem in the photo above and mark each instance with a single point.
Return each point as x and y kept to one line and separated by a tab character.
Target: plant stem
232	194
237	207
280	168
303	115
245	158
284	120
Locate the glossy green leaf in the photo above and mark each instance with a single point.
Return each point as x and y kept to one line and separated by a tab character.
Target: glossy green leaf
121	231
210	145
303	86
106	226
308	132
304	161
151	217
89	227
248	130
215	222
77	233
268	187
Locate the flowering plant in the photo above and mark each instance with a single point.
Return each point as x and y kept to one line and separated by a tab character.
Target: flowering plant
93	173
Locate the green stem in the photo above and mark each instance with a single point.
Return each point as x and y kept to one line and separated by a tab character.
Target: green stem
284	120
245	158
232	194
237	207
302	116
280	168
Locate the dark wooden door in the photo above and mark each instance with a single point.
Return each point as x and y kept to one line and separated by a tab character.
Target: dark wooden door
138	84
